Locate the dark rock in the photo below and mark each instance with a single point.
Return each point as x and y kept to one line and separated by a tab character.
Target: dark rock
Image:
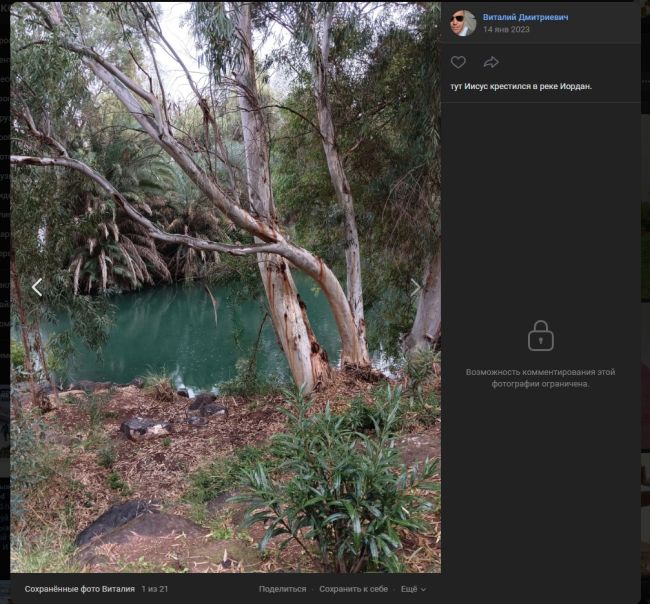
155	525
184	393
213	409
137	382
202	399
128	533
153	537
113	518
197	421
137	428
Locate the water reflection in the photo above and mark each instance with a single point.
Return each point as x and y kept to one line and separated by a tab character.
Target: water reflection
172	329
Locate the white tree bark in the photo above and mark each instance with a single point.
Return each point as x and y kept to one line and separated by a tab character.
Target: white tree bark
320	67
428	318
307	359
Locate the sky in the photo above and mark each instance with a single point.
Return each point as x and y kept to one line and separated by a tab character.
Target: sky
180	37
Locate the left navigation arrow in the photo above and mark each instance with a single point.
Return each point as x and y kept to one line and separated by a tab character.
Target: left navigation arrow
34	287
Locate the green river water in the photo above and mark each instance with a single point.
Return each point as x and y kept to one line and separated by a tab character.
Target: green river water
172	329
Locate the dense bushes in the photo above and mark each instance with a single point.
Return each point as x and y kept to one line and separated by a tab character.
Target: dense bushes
345	497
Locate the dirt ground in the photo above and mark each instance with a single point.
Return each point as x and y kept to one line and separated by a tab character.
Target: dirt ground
157	470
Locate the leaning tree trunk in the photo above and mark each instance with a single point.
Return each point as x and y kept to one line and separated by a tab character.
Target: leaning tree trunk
428	318
320	59
307	359
24	329
40	350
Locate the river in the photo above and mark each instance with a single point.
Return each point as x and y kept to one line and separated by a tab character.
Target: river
173	329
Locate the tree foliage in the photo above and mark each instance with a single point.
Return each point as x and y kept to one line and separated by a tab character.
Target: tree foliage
385	103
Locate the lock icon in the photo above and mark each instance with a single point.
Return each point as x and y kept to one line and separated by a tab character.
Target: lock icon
540	339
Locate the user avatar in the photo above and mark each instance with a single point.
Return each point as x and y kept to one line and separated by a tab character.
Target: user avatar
463	23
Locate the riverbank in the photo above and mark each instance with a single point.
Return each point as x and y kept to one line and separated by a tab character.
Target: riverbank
186	478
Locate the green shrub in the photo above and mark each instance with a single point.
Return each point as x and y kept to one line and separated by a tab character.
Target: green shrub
423	406
17	354
247	382
106	456
116	483
223	475
423	409
160	386
419	368
94	409
385	410
31	463
346	495
359	417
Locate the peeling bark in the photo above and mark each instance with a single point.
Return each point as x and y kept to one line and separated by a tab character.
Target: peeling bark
287	310
320	63
428	319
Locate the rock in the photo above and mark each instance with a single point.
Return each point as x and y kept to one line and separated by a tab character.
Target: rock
197	421
184	393
88	386
202	399
113	518
121	530
137	382
137	428
203	404
166	541
213	409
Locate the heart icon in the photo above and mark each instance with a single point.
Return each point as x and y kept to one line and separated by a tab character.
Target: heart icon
458	62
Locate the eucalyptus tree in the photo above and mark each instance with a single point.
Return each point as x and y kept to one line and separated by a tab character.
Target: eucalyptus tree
311	27
384	98
55	27
423	122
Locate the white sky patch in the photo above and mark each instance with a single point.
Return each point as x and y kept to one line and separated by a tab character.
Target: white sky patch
178	34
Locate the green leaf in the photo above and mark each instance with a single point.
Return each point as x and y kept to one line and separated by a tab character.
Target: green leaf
332	517
374	551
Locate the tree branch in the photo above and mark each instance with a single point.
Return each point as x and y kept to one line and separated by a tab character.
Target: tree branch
31	125
153	230
296	113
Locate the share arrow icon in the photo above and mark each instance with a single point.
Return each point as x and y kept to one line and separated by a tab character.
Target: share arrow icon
34	287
